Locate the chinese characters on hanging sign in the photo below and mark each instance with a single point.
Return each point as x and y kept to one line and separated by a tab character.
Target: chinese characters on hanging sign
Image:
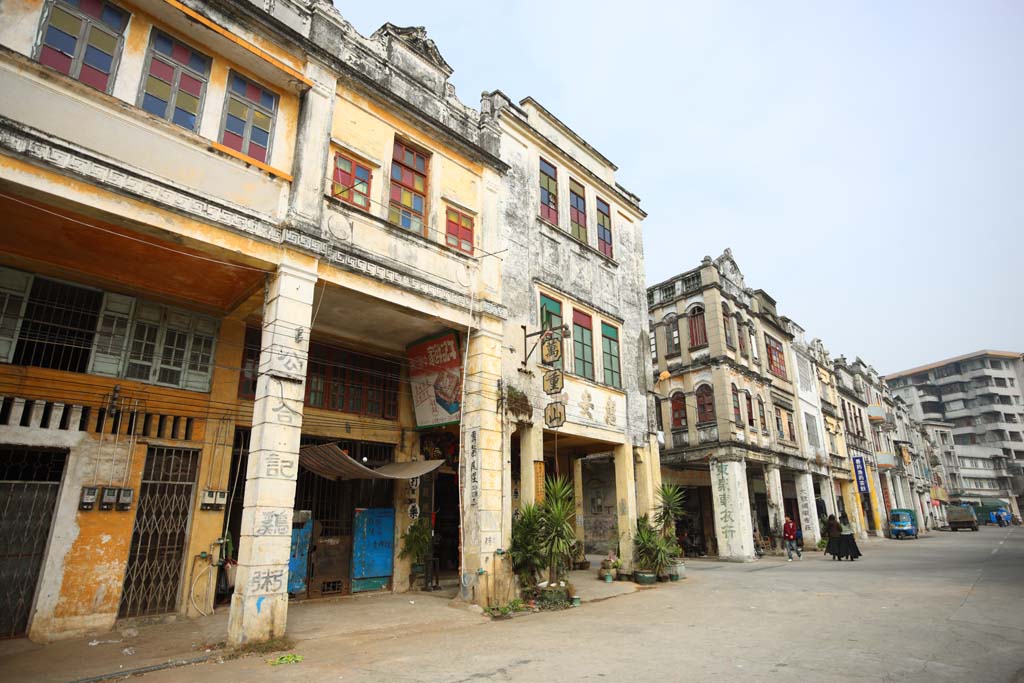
551	348
554	381
862	477
554	415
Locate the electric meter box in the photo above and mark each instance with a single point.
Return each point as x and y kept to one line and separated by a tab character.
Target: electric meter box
214	500
124	499
108	498
87	501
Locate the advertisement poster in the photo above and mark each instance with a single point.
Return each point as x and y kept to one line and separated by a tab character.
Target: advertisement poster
435	372
858	470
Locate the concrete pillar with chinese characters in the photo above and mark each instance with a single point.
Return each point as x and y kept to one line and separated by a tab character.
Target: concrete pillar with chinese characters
625	504
808	508
773	485
733	527
259	606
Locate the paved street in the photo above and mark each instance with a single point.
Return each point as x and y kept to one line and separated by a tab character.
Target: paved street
946	607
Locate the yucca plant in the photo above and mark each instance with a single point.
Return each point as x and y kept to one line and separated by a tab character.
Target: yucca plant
526	550
654	551
669	509
558	537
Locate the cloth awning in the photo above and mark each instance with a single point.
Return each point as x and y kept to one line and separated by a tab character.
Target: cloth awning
332	462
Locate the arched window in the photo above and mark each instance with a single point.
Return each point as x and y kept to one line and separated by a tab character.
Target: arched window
737	414
705	404
753	344
741	336
698	328
678	411
671	336
760	413
750	410
727	323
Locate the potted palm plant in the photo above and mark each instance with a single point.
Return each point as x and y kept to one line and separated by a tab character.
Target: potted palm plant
525	549
668	511
557	535
652	552
416	544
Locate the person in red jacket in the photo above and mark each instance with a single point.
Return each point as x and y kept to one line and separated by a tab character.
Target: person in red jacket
789	536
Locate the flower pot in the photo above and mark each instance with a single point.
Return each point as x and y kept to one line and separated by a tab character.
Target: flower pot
676	569
645	578
575	601
608	578
624	576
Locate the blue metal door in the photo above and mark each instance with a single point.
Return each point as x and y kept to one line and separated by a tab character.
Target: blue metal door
298	563
373	548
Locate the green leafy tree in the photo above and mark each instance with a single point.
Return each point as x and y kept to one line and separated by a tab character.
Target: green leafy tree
669	509
558	537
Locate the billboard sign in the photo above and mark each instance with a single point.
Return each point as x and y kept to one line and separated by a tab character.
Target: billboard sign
435	373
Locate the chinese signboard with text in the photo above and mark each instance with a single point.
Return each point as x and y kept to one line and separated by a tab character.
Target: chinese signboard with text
862	477
435	373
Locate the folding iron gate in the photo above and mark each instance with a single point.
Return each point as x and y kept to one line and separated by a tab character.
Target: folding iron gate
152	581
29	484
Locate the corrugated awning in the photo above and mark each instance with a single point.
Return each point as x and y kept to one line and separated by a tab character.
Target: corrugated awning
331	462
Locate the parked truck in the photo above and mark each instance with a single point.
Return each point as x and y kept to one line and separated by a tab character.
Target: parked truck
961	517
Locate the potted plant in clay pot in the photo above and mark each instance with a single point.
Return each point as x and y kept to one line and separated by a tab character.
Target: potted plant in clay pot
557	535
668	511
417	545
609	568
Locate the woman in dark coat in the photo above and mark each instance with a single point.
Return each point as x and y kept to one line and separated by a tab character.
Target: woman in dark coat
847	545
834	532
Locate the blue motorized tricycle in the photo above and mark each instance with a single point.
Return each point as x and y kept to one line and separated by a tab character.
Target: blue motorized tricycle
901	524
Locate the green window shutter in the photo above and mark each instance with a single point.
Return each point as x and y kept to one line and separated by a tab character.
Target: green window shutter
112	329
14	289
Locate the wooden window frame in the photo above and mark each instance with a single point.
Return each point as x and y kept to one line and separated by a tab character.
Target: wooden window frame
582	330
776	356
698	328
741	339
610	356
396	207
179	69
678	408
578	210
604	225
77	59
460	229
750	410
727	322
705	404
338	188
253	108
672	339
737	414
549	211
761	414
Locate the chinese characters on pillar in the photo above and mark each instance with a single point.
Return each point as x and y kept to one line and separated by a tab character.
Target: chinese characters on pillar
726	522
473	463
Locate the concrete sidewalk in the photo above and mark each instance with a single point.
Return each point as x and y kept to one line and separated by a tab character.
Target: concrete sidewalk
22	661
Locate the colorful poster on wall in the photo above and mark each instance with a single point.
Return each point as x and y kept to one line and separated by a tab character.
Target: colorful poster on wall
435	373
862	477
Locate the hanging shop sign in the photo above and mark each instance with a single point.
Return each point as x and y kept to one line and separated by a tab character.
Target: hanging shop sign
554	415
862	477
554	381
435	373
551	348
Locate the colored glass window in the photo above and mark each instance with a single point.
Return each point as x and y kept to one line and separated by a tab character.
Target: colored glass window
548	192
577	211
350	181
248	118
175	82
582	345
82	39
737	414
408	204
551	318
459	230
776	357
610	355
604	227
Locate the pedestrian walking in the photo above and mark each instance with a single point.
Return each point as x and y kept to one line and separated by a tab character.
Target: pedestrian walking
834	532
789	536
847	545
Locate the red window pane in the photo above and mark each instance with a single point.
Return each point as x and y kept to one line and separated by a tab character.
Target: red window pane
181	54
55	60
256	152
253	92
162	70
396	193
233	141
93	8
94	77
190	85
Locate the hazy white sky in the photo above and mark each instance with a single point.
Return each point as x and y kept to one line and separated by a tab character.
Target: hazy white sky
864	160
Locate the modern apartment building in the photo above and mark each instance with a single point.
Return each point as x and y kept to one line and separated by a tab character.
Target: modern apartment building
980	395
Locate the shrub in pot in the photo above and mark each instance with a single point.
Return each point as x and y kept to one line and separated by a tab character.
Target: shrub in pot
417	544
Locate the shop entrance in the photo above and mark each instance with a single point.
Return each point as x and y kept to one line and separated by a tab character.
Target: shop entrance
446	523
